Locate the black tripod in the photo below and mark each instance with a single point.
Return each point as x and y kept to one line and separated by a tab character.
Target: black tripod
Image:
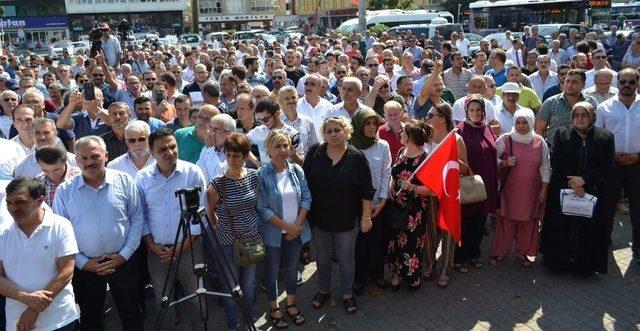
195	215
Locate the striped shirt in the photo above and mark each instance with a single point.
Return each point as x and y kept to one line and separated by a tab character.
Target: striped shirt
51	188
241	200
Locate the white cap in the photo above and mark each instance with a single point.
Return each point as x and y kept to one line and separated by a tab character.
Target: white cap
510	88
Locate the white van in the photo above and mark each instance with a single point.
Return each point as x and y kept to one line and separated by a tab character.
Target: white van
395	17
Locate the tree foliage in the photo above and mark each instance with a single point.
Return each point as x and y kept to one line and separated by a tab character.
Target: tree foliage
392	4
378	29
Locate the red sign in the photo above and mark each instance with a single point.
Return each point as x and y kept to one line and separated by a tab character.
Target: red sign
345	11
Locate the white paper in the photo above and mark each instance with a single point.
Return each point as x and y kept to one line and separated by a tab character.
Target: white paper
574	205
196	97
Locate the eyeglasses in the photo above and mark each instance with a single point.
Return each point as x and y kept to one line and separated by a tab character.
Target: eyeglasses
310	84
602	57
265	119
97	75
341	72
277	77
372	65
625	82
134	140
431	115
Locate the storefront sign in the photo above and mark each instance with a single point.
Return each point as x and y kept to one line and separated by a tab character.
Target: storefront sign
15	23
600	3
345	11
228	18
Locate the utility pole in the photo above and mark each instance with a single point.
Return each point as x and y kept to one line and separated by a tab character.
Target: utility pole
362	15
459	20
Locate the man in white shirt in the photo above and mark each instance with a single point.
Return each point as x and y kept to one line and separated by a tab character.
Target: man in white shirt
288	100
463	45
508	107
599	58
621	116
37	254
138	156
515	53
268	114
11	154
476	85
23	117
543	79
350	105
8	100
212	160
557	54
157	185
44	134
603	88
312	105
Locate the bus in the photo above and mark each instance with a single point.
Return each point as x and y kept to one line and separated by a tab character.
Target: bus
625	13
487	17
395	17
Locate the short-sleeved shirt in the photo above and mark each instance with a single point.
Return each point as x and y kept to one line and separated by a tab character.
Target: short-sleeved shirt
189	146
556	111
31	263
115	147
528	97
457	83
240	199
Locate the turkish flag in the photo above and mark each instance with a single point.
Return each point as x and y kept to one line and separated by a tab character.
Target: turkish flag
440	173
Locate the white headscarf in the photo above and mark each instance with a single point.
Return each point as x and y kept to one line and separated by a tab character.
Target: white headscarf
530	117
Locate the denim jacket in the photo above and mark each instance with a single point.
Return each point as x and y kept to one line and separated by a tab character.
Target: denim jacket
270	202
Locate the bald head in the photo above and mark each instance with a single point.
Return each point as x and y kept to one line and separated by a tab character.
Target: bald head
476	84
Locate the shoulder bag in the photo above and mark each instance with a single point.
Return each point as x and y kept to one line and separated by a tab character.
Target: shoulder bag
246	251
472	189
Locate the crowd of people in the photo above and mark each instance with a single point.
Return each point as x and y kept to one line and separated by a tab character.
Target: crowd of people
309	149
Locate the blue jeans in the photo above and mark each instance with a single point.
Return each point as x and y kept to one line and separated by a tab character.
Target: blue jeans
291	250
246	276
342	246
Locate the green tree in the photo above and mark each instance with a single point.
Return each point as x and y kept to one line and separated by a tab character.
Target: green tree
392	4
378	29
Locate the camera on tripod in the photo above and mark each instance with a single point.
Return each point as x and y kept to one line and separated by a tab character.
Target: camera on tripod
95	36
190	199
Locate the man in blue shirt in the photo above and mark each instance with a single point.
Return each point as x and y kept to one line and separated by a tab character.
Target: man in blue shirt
157	184
104	208
143	113
497	59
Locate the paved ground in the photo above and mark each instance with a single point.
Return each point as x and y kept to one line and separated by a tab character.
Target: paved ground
494	297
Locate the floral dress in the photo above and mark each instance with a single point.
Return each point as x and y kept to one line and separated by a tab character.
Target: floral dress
406	246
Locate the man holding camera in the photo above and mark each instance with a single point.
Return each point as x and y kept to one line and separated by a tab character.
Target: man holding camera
110	46
157	185
104	208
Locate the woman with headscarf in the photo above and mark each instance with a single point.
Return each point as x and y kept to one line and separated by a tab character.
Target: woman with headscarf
370	246
481	154
581	158
406	244
525	157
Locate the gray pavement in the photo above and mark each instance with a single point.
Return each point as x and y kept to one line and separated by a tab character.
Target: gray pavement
500	297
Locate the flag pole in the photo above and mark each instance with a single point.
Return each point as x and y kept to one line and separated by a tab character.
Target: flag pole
431	154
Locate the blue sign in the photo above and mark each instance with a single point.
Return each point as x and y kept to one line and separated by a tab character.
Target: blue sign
46	22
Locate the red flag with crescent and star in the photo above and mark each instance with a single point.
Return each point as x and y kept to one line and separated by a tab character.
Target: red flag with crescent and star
440	173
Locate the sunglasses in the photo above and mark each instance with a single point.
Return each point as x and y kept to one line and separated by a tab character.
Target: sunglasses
140	140
150	79
98	75
265	119
277	77
625	82
341	72
432	115
603	57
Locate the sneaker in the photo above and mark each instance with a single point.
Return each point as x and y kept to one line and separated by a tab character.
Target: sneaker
622	208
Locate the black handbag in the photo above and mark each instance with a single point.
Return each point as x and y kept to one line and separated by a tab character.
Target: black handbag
395	216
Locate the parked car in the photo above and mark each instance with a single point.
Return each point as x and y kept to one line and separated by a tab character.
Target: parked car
218	35
291	35
428	30
547	29
247	35
474	39
268	37
58	48
83	46
190	39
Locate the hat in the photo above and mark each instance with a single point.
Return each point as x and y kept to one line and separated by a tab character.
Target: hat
11	84
510	87
4	76
104	26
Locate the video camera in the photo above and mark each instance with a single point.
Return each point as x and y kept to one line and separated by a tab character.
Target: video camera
189	199
95	36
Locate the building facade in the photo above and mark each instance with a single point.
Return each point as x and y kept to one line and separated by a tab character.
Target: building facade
219	15
34	22
164	17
